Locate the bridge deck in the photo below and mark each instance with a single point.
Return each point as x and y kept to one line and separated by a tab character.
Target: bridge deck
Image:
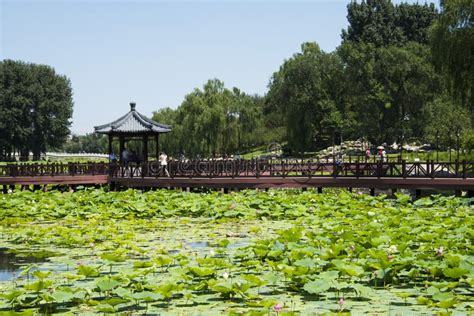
66	180
298	182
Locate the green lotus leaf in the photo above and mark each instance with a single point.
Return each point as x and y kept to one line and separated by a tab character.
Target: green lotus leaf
12	296
38	286
423	300
114	301
163	260
362	290
455	273
306	263
353	270
317	286
442	296
106	284
142	264
105	308
147	296
41	274
113	257
87	271
201	271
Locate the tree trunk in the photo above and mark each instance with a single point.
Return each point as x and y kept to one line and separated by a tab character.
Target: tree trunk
24	154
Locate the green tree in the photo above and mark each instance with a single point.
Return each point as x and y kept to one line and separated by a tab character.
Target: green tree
36	106
382	23
89	143
452	43
387	87
444	118
213	121
301	90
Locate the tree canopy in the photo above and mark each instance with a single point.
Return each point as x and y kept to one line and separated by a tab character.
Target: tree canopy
403	72
36	105
213	121
382	23
452	42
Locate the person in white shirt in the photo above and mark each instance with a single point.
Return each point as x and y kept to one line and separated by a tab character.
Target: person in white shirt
164	164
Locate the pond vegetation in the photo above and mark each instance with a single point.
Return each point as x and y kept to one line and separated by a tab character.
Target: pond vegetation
280	252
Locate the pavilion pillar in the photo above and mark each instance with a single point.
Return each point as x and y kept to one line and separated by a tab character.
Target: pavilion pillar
157	141
145	148
121	147
110	144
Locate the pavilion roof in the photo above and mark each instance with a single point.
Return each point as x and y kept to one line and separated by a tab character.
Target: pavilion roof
133	122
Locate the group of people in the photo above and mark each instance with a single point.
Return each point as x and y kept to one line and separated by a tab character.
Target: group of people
381	153
132	156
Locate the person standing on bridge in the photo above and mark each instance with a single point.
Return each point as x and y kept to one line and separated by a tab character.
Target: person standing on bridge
125	156
164	164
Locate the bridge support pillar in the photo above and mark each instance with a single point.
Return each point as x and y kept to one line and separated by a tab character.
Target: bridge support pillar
5	189
320	190
12	187
417	193
45	188
304	189
349	189
372	191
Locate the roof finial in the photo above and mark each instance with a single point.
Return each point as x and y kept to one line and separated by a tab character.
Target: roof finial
132	106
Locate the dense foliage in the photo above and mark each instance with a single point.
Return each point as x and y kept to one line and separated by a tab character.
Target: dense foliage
399	71
383	24
240	253
213	121
35	106
453	48
403	73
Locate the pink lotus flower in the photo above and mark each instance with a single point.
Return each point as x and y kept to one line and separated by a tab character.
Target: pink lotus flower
440	251
389	257
341	301
278	307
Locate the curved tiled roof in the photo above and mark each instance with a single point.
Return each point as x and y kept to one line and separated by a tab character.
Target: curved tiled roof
133	122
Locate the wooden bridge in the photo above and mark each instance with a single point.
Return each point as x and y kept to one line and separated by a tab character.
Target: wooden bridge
240	174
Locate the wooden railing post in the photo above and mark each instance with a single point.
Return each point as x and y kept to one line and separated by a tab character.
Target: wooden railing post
404	168
464	173
433	168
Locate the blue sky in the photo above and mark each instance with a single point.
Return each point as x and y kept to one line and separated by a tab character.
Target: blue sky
155	52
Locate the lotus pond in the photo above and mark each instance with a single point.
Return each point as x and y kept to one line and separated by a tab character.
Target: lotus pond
280	252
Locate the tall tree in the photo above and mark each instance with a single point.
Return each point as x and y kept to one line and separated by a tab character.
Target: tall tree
443	119
387	87
36	106
301	90
382	23
452	42
213	121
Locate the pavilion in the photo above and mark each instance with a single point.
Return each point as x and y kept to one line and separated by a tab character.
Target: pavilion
133	126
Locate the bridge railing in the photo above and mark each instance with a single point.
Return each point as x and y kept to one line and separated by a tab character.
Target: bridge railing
256	168
53	169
